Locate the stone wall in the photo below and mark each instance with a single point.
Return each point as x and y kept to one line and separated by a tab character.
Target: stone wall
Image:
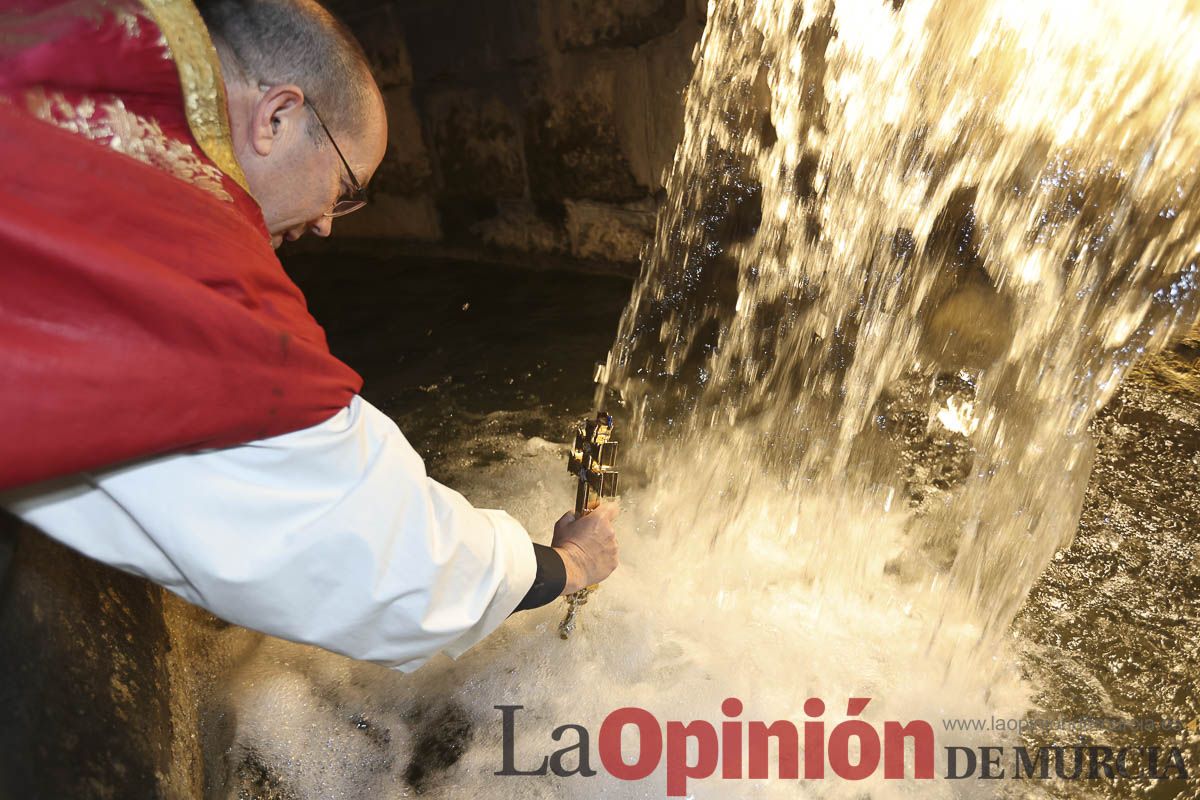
84	687
525	126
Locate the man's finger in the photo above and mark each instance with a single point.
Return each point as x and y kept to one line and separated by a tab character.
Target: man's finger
608	509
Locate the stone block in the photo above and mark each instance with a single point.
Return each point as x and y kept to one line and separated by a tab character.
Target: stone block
518	227
378	28
83	679
601	232
649	119
401	191
477	147
579	24
529	118
573	149
468	39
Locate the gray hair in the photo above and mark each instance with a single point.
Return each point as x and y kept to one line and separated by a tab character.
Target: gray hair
298	42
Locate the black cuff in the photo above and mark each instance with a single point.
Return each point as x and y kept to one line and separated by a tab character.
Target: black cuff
549	582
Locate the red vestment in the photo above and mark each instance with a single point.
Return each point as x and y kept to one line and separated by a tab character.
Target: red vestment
142	308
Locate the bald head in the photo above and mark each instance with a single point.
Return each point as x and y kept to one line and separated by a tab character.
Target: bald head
288	66
297	42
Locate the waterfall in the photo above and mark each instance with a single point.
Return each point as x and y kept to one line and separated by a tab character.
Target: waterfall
909	249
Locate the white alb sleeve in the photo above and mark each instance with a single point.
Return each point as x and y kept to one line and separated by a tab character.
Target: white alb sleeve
332	535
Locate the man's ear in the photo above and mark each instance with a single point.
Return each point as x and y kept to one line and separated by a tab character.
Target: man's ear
279	113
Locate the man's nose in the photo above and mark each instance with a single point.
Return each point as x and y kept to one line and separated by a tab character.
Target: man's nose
322	226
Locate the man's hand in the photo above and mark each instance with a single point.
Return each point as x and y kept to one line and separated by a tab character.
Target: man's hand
588	546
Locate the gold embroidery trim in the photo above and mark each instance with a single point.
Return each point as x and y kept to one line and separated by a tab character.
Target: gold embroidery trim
200	76
113	125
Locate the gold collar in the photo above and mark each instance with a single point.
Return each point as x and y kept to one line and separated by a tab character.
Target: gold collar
200	76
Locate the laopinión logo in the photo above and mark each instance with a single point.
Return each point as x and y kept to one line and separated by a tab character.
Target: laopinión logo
741	749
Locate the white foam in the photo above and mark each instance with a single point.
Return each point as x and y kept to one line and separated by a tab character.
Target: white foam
682	625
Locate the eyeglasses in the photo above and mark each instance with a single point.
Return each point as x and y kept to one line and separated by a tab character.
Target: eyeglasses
358	194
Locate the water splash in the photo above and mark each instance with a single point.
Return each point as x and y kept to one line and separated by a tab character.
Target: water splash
972	215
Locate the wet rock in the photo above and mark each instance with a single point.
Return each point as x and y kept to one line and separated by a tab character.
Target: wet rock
969	329
257	781
1128	581
83	679
600	232
443	735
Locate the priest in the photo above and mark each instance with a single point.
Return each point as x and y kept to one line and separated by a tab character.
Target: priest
170	406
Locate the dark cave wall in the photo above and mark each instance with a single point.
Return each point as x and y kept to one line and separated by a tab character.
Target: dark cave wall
525	126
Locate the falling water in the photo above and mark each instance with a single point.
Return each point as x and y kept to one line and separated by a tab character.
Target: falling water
910	249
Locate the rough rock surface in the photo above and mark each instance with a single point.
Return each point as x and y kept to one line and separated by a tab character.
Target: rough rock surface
83	677
509	117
